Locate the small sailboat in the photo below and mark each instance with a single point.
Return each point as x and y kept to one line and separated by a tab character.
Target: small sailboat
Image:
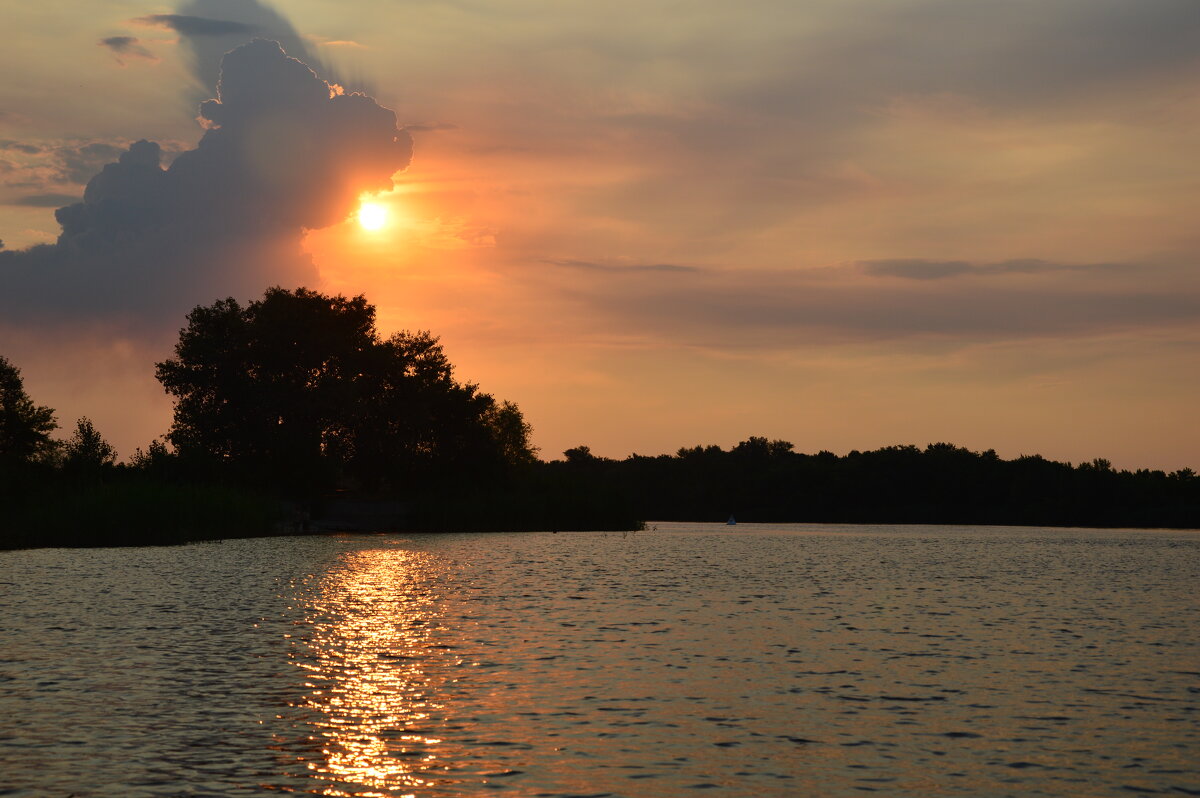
731	522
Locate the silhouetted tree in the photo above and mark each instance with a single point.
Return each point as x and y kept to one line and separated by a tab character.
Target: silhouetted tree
298	389
86	449
152	458
24	427
581	456
264	386
511	433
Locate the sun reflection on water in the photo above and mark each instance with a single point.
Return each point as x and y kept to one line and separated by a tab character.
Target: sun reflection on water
369	688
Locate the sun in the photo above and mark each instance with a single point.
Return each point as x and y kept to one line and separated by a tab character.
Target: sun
372	215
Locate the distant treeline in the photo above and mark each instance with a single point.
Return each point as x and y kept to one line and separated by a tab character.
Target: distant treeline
292	414
761	480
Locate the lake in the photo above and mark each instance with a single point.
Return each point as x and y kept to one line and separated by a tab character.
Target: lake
687	659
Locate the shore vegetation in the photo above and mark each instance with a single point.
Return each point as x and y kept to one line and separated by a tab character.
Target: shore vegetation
293	414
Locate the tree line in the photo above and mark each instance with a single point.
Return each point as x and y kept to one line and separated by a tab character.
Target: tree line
761	480
286	404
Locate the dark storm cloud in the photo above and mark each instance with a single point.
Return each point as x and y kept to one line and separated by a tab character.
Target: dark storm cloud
283	152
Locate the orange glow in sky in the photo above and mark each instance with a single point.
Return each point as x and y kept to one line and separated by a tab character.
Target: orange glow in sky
648	254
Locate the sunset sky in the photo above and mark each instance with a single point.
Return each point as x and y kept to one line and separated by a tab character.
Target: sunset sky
650	224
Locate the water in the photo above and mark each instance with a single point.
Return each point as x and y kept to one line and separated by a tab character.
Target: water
752	660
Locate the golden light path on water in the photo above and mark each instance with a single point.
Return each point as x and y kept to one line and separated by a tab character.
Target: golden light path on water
368	680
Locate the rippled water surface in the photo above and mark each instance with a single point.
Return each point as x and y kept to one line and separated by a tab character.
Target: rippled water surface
744	661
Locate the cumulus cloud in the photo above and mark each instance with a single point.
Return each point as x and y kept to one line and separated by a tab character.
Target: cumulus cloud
127	46
283	151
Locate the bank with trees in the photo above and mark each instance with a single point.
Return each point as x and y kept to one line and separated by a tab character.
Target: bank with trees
292	407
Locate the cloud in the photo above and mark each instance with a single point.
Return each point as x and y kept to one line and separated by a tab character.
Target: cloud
344	43
79	162
283	152
770	310
915	269
430	127
127	46
1018	54
197	26
44	200
755	131
17	146
620	267
918	269
211	28
47	168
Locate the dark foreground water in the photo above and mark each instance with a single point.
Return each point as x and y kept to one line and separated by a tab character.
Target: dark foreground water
686	660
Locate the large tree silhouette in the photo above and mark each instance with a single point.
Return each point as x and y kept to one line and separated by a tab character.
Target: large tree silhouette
298	389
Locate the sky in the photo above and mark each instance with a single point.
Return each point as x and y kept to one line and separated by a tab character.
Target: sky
843	223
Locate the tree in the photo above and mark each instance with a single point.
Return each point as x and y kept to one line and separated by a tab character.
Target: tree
511	434
153	458
87	450
580	455
24	427
298	389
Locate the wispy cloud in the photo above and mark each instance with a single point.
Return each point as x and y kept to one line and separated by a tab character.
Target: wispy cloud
51	168
424	127
344	43
196	26
606	266
771	310
919	269
44	200
127	47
